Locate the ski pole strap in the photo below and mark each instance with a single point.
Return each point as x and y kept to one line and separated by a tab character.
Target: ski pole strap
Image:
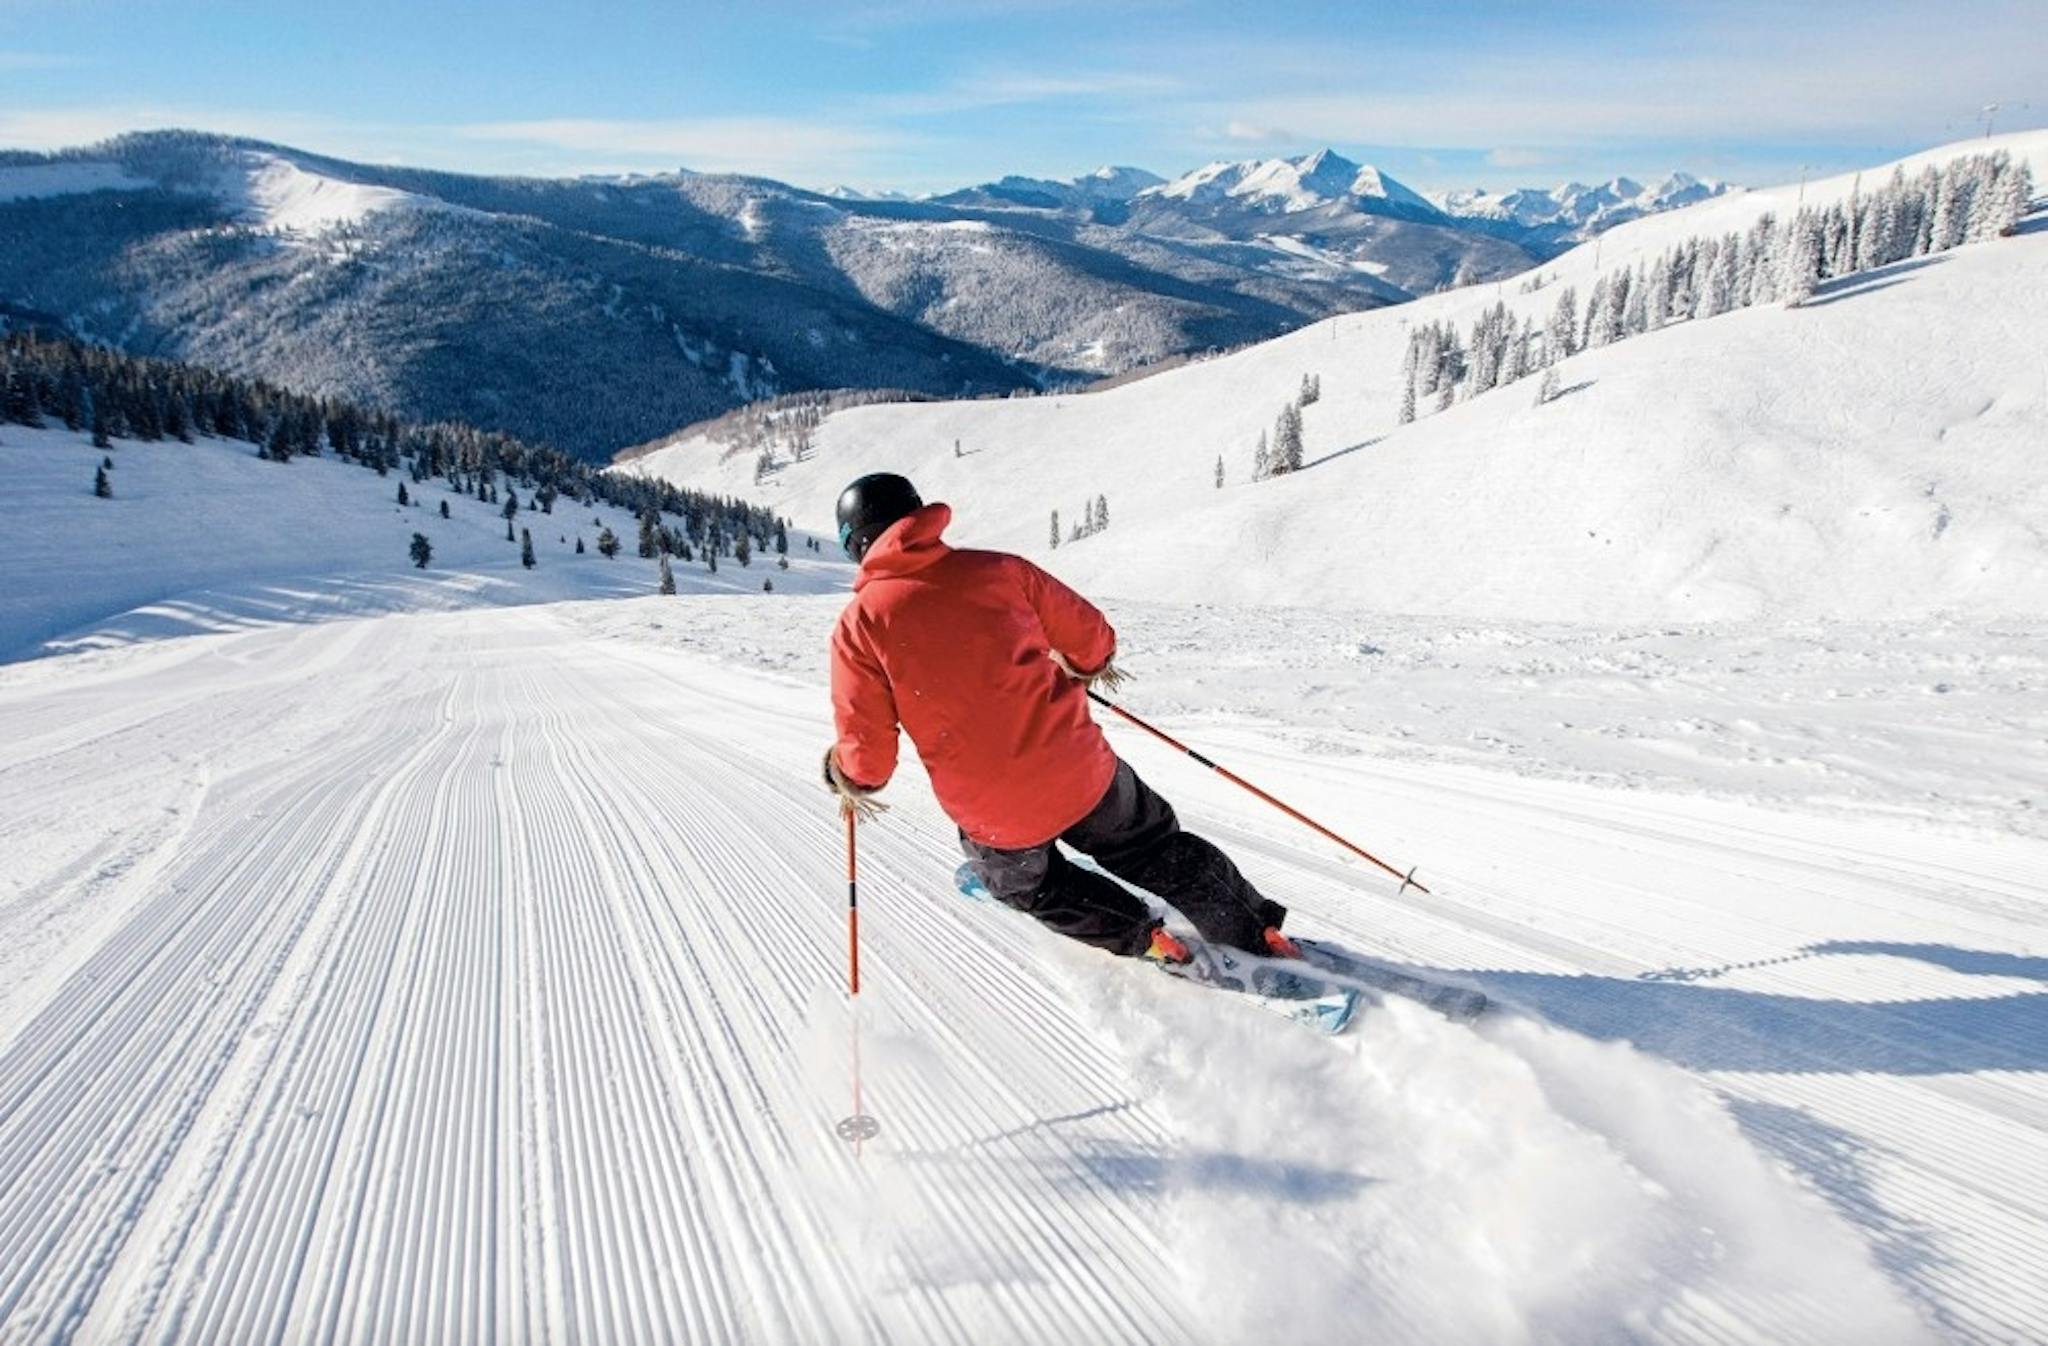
1407	880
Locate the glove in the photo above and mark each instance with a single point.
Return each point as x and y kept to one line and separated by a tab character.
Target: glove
861	803
1108	678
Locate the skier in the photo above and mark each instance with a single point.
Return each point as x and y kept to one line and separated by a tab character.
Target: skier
986	660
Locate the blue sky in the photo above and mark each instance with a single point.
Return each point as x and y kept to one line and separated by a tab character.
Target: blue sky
932	94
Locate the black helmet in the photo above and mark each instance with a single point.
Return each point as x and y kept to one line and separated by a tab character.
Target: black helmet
869	506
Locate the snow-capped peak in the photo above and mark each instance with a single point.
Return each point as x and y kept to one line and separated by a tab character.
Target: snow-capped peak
1286	185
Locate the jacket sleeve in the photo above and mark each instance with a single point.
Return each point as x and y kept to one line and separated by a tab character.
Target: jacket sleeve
863	710
1075	626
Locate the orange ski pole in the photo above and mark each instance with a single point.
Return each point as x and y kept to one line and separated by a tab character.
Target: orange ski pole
1407	880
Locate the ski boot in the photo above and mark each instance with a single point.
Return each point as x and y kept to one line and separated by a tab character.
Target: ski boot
1166	948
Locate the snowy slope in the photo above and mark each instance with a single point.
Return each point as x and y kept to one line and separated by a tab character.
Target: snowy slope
208	537
474	976
1871	454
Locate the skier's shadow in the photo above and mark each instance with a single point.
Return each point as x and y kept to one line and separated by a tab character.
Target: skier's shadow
1154	1173
1127	1167
1706	1027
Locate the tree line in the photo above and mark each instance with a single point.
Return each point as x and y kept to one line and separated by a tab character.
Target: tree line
1966	200
114	395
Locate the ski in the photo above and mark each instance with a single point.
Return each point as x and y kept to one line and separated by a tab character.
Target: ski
1458	1003
1279	988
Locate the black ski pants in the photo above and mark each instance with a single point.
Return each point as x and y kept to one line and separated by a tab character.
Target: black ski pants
1133	834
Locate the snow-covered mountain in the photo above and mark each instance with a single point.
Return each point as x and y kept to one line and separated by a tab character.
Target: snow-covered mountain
1285	186
598	312
1108	185
1800	462
1574	212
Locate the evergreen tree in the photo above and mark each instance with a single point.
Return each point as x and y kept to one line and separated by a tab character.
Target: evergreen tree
743	548
1407	401
1657	306
1311	390
405	499
782	538
768	585
1055	529
711	559
526	547
1286	443
1101	512
1546	390
101	486
1560	337
422	550
607	544
1219	471
444	509
1595	333
649	521
1801	257
579	536
1262	459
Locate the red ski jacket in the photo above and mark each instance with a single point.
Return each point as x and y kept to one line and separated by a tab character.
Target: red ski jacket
955	646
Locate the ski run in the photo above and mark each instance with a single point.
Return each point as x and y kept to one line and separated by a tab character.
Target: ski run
477	976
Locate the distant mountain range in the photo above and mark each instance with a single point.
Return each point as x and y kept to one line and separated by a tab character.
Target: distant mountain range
595	313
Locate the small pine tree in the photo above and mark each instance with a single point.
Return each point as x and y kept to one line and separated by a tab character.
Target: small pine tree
1219	471
579	539
767	586
508	531
1407	402
444	509
608	544
668	575
1262	459
782	563
711	559
1101	512
101	486
422	550
403	498
781	539
1286	455
526	548
1055	529
1546	391
743	549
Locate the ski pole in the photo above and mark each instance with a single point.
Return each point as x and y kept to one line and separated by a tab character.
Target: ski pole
852	911
1407	880
856	1126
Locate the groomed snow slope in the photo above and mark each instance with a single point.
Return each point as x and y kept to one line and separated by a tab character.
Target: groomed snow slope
475	976
1874	453
208	537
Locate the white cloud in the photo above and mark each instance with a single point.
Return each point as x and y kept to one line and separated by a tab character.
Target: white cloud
1261	135
774	147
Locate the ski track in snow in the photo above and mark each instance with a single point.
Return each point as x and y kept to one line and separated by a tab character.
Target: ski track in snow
467	978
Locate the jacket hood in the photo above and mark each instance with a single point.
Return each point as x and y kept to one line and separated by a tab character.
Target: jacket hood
909	545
